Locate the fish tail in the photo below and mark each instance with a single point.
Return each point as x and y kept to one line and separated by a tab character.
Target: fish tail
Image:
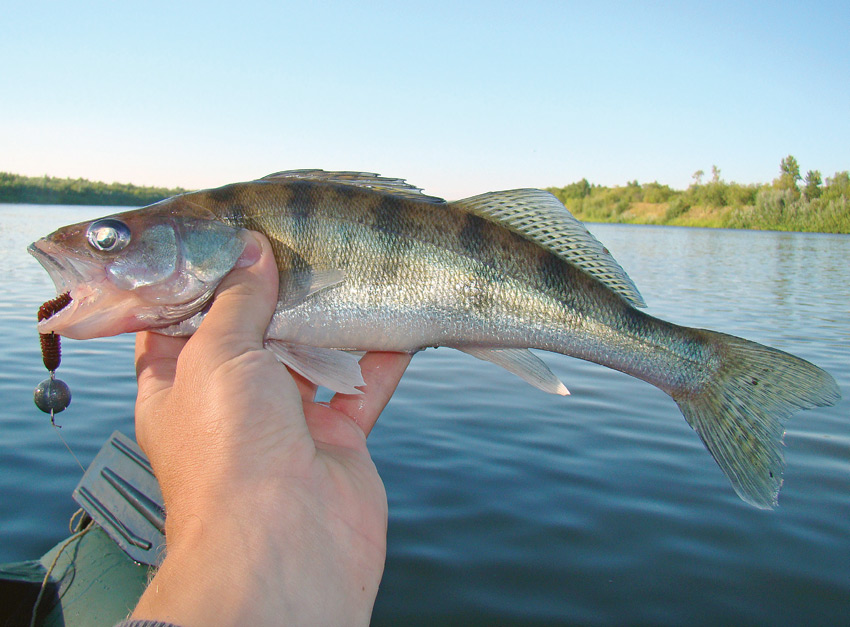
741	411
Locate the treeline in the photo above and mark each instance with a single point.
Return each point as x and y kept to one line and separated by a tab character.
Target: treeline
49	190
791	202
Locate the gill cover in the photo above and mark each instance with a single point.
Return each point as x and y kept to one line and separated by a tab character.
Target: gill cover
174	261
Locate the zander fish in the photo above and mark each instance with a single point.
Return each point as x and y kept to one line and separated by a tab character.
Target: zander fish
371	263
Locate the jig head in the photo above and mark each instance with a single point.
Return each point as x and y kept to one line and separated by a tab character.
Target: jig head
52	395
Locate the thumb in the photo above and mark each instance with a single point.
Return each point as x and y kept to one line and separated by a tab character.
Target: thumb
244	301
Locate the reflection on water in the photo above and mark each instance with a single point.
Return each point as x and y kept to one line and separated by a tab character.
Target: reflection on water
510	506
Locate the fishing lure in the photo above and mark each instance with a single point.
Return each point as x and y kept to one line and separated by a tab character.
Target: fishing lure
52	395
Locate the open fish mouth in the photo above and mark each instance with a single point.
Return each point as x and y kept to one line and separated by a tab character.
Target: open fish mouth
73	276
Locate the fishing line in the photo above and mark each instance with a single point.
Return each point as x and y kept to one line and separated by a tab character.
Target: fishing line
59	433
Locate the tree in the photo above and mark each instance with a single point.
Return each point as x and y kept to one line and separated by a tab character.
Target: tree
576	191
697	176
812	189
789	174
837	187
715	174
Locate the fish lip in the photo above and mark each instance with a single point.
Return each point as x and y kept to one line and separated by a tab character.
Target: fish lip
65	274
49	263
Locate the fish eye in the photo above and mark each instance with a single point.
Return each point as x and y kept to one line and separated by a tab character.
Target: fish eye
108	235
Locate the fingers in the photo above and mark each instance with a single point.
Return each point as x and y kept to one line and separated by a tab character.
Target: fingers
156	362
234	325
244	302
306	388
156	365
382	372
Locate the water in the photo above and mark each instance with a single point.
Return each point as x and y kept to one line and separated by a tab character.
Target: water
509	506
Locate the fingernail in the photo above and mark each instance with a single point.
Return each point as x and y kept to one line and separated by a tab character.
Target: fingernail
252	252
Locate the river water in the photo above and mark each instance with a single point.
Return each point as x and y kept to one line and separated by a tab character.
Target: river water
509	506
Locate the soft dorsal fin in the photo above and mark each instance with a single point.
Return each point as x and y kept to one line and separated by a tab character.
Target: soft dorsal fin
540	217
368	180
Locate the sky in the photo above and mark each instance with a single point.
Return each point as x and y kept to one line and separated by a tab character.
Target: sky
456	97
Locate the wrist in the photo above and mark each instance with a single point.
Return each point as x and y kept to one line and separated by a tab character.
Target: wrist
224	569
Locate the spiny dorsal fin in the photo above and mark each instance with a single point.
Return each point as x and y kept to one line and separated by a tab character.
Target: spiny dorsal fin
368	180
540	217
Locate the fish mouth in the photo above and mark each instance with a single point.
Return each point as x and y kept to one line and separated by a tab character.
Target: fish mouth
77	277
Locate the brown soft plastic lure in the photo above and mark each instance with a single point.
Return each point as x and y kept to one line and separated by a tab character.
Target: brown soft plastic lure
51	350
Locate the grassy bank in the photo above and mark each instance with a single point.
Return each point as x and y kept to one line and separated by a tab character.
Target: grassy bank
783	205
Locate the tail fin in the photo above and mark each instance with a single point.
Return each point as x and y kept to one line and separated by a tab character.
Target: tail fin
740	414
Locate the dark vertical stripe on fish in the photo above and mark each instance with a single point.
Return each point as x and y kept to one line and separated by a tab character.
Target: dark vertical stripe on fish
303	206
303	201
385	214
227	202
388	220
474	239
223	195
550	271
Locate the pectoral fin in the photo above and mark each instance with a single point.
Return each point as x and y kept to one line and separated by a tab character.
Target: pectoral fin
334	369
299	280
524	364
322	279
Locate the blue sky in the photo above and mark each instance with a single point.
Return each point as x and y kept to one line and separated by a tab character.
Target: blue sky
457	97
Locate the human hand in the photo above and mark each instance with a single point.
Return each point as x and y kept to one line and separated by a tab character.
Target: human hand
276	513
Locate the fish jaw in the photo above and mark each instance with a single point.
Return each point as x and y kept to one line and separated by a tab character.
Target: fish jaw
97	308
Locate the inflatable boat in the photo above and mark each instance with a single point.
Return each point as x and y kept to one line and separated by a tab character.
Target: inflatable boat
96	575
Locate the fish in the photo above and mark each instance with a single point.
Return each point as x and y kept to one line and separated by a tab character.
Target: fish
372	263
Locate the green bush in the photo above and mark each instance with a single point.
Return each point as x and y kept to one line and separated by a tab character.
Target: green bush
678	206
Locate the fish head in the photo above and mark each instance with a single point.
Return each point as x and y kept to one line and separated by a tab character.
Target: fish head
141	269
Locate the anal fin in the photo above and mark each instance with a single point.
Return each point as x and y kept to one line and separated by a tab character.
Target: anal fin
524	364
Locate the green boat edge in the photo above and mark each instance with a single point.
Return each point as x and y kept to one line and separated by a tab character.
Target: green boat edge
88	582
